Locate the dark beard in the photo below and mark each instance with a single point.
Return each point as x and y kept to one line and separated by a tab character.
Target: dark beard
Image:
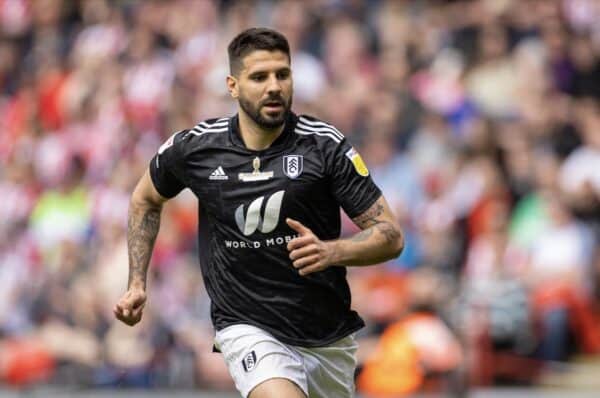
255	115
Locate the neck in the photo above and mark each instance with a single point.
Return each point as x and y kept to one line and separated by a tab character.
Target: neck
254	136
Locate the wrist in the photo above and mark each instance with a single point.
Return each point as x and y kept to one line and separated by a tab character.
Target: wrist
335	252
137	284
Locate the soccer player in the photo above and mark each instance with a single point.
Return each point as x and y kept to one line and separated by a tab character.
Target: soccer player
270	185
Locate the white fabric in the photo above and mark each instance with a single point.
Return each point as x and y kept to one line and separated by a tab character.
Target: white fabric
581	166
558	250
321	372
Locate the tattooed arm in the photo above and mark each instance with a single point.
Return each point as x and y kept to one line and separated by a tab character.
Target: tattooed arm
142	227
380	240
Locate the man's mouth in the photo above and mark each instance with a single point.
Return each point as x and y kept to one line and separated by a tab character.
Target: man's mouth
273	105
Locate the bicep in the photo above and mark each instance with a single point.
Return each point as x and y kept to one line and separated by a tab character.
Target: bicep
379	212
145	192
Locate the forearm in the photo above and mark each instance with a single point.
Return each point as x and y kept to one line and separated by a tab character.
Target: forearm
378	243
142	229
380	240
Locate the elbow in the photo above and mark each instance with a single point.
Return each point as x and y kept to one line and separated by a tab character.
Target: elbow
143	208
396	242
398	246
144	202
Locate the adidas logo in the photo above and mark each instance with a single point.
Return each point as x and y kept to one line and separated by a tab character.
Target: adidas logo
218	174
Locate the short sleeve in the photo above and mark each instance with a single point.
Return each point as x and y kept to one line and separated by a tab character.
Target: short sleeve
166	167
352	184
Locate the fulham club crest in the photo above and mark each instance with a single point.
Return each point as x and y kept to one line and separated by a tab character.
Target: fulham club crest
292	165
249	361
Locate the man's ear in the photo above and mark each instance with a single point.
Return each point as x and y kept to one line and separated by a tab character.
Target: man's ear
232	86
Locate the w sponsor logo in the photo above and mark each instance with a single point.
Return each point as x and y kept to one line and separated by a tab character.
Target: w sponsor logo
251	221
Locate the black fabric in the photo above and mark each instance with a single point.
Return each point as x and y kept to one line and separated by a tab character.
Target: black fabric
166	168
245	263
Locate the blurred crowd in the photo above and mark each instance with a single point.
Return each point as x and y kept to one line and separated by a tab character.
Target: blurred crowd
480	121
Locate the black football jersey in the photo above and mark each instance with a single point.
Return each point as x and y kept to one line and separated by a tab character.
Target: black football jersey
244	197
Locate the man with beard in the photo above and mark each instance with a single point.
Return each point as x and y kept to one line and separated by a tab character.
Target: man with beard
270	185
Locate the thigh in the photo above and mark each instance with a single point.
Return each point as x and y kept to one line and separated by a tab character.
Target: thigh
254	358
330	369
276	388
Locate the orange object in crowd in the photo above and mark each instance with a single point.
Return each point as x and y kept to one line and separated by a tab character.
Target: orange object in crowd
394	368
407	351
25	362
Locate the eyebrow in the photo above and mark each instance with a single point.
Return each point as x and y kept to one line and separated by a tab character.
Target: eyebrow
259	71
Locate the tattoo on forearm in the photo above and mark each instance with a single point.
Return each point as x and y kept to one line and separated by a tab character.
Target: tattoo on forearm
385	228
142	228
388	230
362	235
369	217
369	220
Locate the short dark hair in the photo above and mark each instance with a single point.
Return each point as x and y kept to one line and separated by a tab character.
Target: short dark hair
255	39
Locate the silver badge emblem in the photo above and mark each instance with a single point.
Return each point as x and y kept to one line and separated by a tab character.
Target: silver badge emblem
293	165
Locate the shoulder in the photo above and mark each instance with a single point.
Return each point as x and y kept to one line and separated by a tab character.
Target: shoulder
209	130
210	126
205	133
323	134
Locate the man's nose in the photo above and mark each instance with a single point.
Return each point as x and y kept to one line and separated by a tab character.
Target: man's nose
273	85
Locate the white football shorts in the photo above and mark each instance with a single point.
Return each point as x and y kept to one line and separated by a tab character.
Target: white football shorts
254	356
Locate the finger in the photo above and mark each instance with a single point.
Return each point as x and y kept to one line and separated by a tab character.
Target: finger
135	319
306	261
138	300
311	269
118	312
303	252
129	321
125	308
131	300
138	304
125	303
299	242
137	312
297	226
123	319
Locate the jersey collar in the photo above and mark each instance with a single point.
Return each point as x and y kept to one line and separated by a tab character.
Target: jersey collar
281	141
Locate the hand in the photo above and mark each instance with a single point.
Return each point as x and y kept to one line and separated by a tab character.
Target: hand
129	308
308	253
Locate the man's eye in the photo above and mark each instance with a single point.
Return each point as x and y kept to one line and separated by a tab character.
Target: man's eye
257	78
283	75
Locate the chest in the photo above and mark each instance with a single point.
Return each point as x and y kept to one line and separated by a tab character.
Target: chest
223	181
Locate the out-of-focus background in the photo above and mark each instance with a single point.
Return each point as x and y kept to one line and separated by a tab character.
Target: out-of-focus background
480	120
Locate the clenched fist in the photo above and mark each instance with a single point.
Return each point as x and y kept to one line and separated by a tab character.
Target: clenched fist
129	308
309	253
